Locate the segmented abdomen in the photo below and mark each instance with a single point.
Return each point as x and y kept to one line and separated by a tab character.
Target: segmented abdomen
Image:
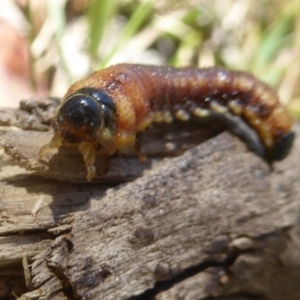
183	92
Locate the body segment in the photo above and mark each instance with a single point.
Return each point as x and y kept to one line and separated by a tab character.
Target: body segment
130	97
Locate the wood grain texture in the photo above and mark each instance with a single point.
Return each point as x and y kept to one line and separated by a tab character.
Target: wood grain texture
214	222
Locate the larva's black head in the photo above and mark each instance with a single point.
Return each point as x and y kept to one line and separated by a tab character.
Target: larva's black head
78	118
83	114
100	96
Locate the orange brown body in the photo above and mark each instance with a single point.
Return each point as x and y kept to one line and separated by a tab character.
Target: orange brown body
130	97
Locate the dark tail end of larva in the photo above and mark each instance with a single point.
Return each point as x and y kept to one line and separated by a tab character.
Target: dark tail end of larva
249	136
278	152
282	146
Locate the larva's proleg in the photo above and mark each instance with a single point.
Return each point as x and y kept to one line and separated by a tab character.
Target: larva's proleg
105	112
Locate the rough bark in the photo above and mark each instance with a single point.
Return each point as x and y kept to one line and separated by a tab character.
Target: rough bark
213	223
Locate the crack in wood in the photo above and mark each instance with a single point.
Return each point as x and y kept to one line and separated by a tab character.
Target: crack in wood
188	273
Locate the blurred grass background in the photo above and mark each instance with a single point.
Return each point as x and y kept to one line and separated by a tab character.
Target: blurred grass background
69	39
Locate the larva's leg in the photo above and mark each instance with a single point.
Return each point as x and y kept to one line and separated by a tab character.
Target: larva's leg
88	151
218	108
55	142
104	164
139	153
181	114
126	141
137	147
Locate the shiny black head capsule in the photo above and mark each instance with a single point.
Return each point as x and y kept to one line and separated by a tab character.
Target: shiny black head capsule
100	96
84	113
108	106
79	118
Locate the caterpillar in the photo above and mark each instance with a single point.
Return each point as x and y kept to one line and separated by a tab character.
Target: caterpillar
104	112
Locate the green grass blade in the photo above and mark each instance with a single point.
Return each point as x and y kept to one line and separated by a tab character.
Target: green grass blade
186	49
99	14
139	16
56	10
273	40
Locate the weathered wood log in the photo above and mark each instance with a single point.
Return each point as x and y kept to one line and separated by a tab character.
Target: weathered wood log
213	223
